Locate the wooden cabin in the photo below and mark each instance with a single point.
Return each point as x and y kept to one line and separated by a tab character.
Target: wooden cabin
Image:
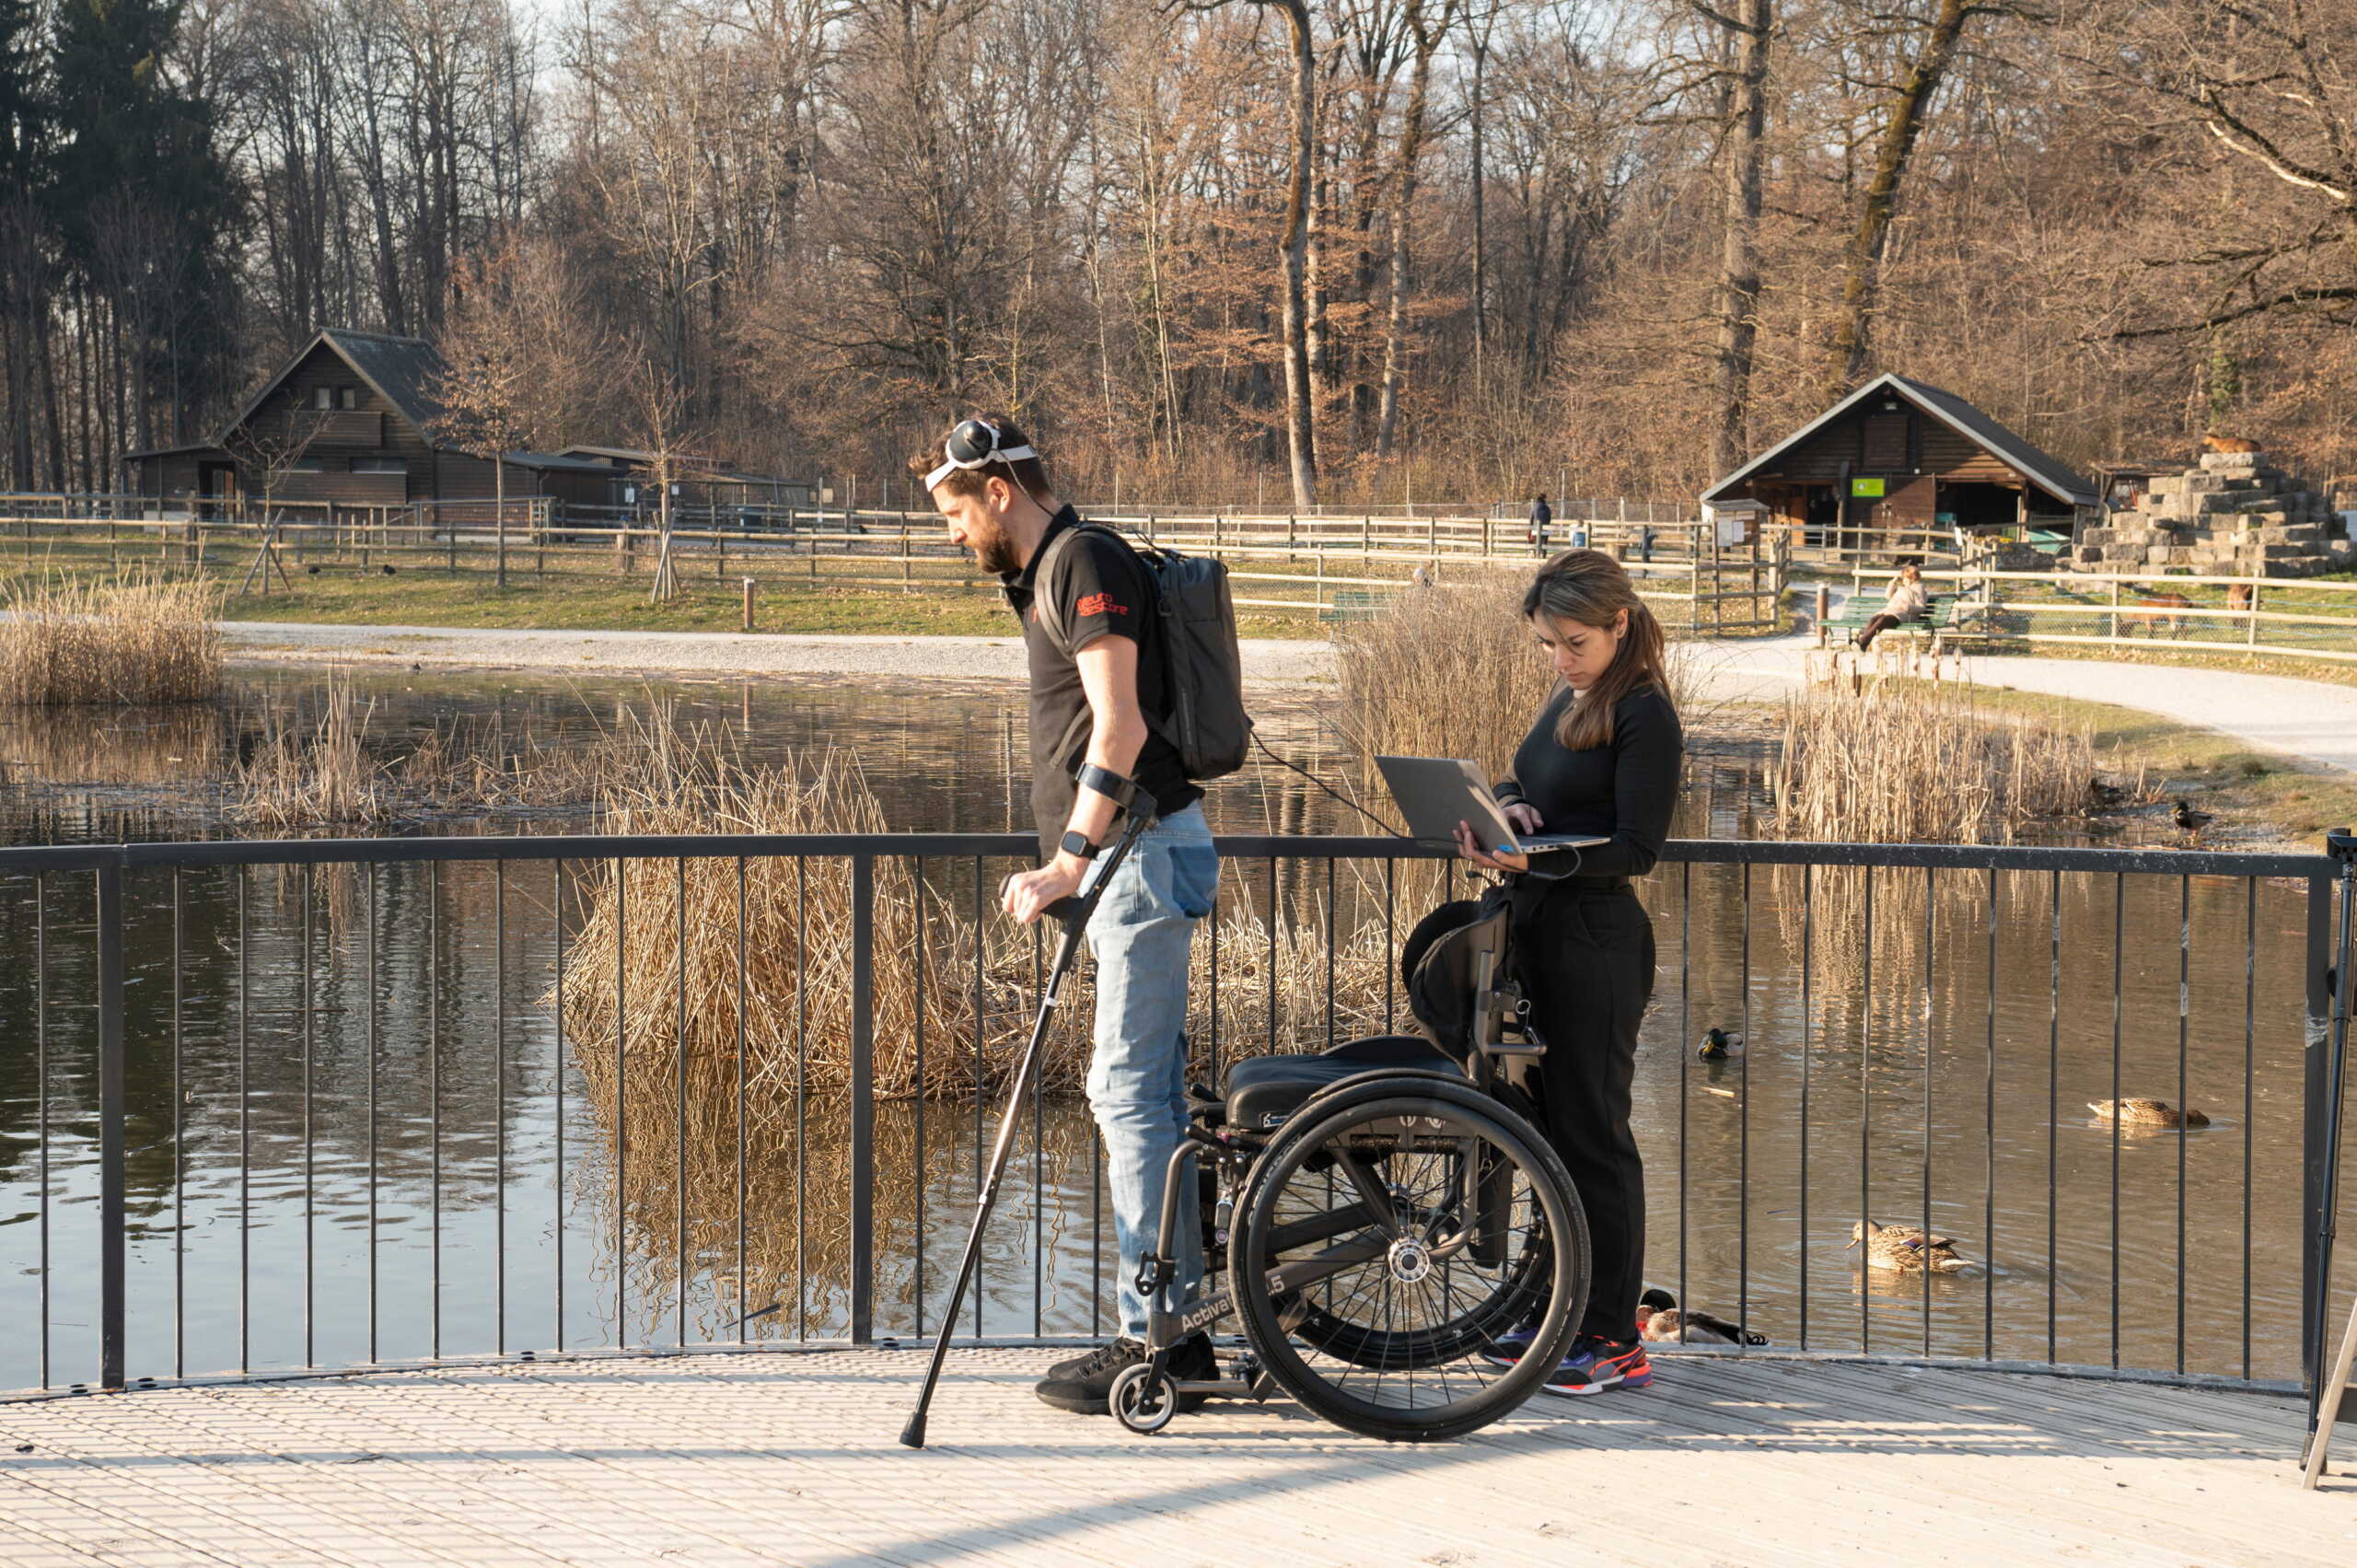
349	421
1898	460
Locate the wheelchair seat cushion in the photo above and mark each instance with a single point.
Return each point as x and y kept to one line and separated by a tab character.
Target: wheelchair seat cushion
1263	1090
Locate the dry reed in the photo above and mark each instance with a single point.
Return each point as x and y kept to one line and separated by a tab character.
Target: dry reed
1912	764
136	640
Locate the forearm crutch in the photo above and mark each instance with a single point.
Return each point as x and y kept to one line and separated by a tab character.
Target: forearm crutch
1074	912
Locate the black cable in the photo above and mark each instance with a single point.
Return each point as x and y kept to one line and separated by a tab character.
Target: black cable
1330	789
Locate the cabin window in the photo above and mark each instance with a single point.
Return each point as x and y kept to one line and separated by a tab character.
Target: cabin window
380	465
307	465
347	396
323	396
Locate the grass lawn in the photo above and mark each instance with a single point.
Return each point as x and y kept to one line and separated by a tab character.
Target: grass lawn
2262	799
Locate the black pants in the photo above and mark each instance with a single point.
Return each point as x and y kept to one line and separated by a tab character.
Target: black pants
1874	627
1586	956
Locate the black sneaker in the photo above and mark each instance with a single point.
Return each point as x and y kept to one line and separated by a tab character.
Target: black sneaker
1083	1385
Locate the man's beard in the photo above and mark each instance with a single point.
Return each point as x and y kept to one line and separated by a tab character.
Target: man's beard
996	553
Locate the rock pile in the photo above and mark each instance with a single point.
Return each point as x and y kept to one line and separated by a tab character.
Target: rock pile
2231	517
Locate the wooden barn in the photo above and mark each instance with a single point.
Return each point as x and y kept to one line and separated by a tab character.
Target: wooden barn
1898	459
349	421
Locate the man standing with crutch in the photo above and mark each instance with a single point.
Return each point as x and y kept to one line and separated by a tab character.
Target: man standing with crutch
1100	694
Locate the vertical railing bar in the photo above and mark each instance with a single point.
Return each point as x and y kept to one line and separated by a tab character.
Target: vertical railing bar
2184	1025
40	1092
179	1160
1330	952
920	1170
679	1101
862	1099
1866	1123
620	1102
1685	1033
112	1218
1930	915
1743	1131
2053	1100
1271	976
1808	1049
801	1095
742	915
311	1202
245	1131
433	1092
368	1031
1989	1135
1216	880
2119	897
1391	947
2250	1010
556	1220
499	1106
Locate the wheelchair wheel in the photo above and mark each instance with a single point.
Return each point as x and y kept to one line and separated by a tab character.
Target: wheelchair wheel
1391	1232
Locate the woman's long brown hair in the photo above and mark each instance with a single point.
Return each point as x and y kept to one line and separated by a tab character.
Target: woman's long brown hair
1589	586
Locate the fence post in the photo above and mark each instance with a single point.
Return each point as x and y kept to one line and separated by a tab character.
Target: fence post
862	1099
2250	621
111	1152
749	604
2327	1058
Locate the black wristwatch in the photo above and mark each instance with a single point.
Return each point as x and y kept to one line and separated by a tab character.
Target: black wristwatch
1076	842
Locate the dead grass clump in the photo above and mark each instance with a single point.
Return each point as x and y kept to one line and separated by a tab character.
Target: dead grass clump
1446	671
306	776
1910	764
138	640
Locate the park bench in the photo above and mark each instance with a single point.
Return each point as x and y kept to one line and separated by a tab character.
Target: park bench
1358	604
1946	618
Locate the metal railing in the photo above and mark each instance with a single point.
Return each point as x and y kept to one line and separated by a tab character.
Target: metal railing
202	1168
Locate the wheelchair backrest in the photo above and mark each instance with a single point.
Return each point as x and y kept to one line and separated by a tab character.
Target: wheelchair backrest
1456	965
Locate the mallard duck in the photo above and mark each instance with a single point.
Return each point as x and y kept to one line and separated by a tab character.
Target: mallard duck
1906	1249
2192	822
1659	1318
2147	1113
1718	1045
2102	796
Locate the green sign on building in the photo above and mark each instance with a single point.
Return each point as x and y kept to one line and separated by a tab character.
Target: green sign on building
1867	489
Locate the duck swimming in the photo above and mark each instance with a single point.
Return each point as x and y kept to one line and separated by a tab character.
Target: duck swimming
1718	1045
2147	1113
1906	1249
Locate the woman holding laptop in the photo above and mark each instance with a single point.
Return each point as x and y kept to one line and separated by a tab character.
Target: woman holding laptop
1602	759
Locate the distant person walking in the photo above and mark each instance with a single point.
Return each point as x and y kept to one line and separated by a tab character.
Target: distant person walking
1645	544
1908	600
1541	517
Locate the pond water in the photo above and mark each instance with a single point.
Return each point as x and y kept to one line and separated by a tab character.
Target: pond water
356	1130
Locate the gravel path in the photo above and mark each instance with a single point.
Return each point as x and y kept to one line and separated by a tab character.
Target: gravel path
2313	721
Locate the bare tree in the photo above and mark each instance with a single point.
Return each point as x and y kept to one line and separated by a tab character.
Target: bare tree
484	387
268	445
1749	26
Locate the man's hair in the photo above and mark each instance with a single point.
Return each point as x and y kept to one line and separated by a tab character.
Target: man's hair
1027	474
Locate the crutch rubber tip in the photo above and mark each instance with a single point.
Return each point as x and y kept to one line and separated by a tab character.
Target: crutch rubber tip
912	1435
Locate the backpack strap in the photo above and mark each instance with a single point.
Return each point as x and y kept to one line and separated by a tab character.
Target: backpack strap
1051	620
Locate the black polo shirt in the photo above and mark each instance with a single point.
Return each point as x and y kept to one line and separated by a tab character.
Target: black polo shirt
1103	588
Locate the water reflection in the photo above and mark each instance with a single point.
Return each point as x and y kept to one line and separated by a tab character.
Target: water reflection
356	1129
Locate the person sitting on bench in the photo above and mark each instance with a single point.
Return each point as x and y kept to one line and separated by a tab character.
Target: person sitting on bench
1908	600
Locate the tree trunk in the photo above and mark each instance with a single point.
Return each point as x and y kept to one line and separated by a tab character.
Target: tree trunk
1481	230
1293	251
1746	123
1412	150
1853	334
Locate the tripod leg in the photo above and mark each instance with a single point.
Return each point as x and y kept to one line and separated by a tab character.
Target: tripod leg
912	1435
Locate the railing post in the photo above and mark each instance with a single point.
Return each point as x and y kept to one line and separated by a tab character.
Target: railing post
111	1152
862	1099
2327	1062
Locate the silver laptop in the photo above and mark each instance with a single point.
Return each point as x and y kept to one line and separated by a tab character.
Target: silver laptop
1438	793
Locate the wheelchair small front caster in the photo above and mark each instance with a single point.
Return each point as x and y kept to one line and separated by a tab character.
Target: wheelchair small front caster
1142	1399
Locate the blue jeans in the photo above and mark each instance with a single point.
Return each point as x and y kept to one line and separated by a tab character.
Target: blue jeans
1141	935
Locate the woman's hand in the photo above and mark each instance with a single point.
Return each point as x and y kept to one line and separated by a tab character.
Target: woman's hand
1522	818
1471	851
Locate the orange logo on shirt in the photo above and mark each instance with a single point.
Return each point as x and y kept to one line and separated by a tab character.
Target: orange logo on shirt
1101	604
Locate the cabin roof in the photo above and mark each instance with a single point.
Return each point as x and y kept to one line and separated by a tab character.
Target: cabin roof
402	371
2043	469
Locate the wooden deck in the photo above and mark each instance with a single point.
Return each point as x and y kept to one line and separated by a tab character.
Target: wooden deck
792	1458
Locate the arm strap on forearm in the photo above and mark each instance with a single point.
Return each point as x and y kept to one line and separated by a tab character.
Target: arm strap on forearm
1108	783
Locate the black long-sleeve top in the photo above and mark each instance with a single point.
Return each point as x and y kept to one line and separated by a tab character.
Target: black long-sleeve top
1624	789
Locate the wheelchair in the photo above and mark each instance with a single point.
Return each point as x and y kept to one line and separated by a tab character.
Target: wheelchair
1376	1216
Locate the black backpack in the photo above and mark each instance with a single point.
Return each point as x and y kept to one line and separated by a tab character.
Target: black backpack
1207	723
